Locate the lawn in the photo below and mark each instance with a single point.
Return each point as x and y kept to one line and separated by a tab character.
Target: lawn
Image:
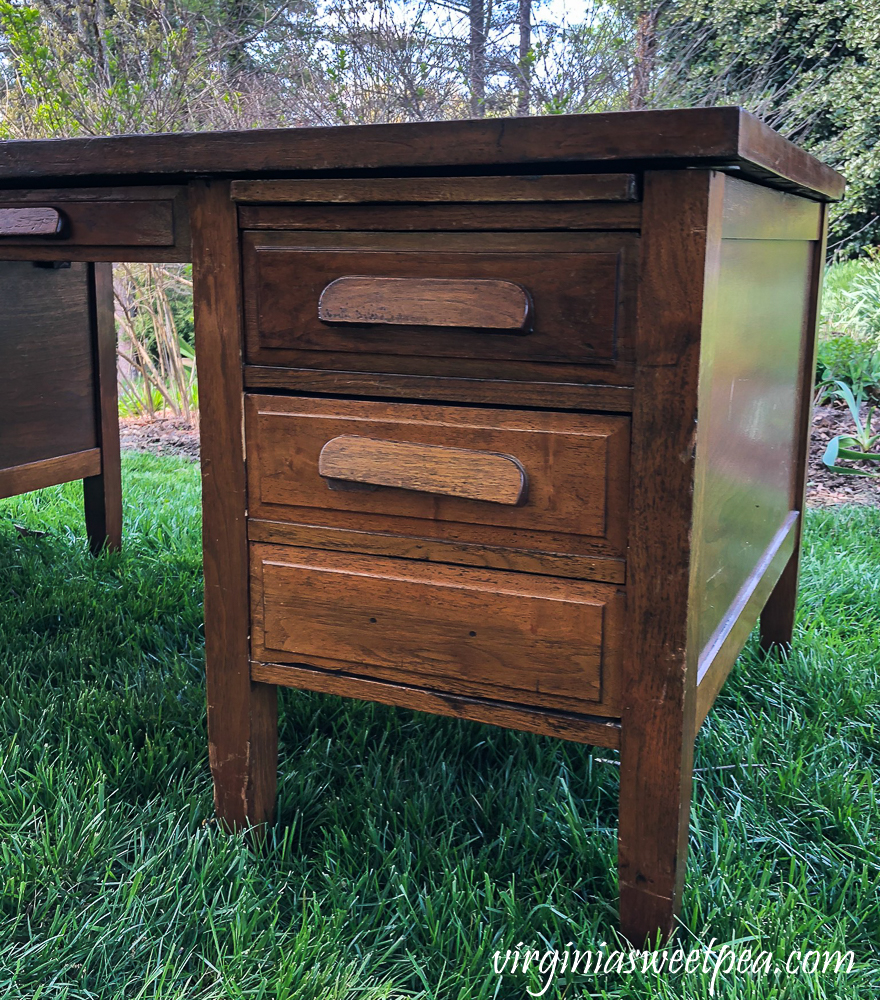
408	848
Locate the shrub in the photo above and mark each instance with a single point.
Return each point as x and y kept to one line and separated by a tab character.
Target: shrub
849	341
843	357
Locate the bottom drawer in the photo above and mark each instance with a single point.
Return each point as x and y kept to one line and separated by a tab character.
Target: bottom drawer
533	640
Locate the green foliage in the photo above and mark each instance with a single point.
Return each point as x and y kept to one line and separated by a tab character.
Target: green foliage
810	69
408	848
157	361
847	359
853	447
849	341
105	68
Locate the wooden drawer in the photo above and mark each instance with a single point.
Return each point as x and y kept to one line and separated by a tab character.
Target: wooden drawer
531	640
477	297
147	217
455	471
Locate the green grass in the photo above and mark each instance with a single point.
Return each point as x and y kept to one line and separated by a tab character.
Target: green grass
408	848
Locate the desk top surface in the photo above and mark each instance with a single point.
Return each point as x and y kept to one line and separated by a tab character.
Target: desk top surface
701	137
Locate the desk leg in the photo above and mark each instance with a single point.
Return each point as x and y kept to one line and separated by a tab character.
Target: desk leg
681	224
658	718
242	715
777	618
102	494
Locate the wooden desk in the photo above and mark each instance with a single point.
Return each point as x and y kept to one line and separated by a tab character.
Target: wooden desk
505	420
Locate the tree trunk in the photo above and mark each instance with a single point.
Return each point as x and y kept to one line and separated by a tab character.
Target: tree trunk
523	99
477	58
646	48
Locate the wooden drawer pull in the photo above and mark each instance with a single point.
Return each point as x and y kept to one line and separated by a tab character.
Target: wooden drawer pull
480	302
30	222
356	463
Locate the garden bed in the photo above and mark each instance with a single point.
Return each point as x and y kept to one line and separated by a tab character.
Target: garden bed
825	487
161	436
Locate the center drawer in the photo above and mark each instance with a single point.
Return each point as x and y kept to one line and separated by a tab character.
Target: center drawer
544	481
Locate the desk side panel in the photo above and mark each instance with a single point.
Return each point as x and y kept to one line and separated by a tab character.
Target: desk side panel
756	340
47	389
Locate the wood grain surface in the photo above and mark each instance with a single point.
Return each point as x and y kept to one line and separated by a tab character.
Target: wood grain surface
421	190
481	303
30	222
595	730
756	310
351	462
242	716
605	569
778	615
105	223
573	281
534	640
47	381
683	212
102	494
688	136
17	479
489	391
720	652
455	217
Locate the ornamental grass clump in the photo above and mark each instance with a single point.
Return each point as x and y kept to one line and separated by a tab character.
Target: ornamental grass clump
858	447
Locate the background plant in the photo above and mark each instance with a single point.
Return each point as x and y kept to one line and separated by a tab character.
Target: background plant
849	332
856	447
157	370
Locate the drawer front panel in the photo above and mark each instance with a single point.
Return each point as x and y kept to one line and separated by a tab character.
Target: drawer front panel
571	287
532	640
538	479
96	223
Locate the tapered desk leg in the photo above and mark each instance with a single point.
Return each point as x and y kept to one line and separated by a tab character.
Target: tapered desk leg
102	494
656	766
242	715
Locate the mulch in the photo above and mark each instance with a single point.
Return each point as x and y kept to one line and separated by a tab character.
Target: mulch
174	436
161	436
824	487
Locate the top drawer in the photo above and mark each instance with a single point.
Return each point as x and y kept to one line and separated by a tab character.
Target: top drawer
539	297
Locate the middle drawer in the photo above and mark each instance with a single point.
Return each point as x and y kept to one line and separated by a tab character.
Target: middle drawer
533	480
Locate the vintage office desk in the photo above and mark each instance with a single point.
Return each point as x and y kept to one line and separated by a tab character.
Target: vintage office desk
58	410
505	420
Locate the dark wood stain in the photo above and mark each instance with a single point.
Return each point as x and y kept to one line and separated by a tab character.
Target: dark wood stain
102	494
47	384
575	464
690	136
242	715
571	280
451	628
30	222
481	303
421	190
